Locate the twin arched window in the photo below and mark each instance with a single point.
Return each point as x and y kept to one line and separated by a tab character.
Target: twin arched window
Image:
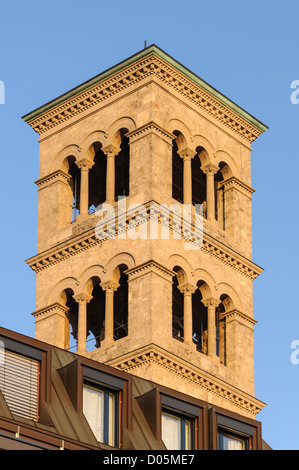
198	184
96	314
198	179
199	320
100	183
199	317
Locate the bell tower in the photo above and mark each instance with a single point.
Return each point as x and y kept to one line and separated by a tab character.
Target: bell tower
144	257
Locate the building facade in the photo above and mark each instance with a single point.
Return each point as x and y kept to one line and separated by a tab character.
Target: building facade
52	399
144	252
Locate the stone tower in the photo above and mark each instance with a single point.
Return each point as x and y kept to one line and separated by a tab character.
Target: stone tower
144	255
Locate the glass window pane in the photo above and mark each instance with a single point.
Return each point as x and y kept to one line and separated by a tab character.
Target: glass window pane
171	432
112	421
93	409
231	442
188	435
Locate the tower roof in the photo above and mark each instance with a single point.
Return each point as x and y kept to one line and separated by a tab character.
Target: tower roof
151	51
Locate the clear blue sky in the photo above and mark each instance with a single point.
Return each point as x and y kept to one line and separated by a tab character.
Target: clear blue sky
249	52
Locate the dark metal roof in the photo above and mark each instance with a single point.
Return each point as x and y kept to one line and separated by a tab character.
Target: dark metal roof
63	425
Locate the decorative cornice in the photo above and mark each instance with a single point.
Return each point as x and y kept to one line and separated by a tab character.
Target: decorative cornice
234	182
155	63
228	256
238	315
189	372
88	239
50	310
58	175
148	128
150	266
63	251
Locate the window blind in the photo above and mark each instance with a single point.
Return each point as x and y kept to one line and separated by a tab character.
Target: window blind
19	383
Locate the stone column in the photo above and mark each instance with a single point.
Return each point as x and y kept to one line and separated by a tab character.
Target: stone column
211	305
187	156
84	166
210	170
188	290
82	300
109	287
110	151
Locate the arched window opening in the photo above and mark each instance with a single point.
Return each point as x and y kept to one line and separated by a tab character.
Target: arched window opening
122	168
177	173
120	322
97	179
96	316
72	316
75	183
177	310
221	329
199	192
199	322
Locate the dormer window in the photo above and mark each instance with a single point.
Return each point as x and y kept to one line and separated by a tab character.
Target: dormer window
19	384
233	434
101	395
100	407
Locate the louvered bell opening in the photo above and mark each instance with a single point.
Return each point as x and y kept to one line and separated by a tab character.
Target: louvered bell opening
19	383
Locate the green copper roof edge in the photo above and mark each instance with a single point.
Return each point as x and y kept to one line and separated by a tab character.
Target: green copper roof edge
85	85
134	58
212	91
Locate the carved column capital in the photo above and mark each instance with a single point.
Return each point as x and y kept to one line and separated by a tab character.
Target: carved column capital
82	298
210	169
187	289
109	286
84	164
211	302
186	153
111	150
